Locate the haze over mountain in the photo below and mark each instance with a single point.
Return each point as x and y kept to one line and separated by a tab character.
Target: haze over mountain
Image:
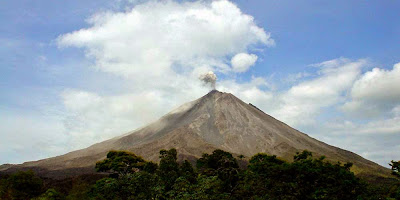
215	121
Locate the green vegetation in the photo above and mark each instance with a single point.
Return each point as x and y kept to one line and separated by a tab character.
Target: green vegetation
395	171
123	163
21	185
216	176
50	194
395	168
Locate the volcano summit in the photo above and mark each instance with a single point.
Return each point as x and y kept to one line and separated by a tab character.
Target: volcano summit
215	121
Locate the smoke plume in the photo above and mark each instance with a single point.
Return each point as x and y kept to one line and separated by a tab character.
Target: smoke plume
209	79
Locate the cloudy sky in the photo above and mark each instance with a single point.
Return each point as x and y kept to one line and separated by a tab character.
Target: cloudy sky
73	73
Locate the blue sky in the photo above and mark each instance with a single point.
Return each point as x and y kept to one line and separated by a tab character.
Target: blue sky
314	31
324	67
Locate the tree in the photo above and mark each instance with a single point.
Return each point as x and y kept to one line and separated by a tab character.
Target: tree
4	191
319	179
168	170
23	185
302	156
135	180
206	187
150	167
218	160
222	164
50	194
140	185
187	172
79	190
395	168
306	178
264	179
143	185
210	187
260	163
107	189
123	163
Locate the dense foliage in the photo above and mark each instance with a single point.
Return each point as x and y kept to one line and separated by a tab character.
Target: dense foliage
21	185
123	163
216	176
395	168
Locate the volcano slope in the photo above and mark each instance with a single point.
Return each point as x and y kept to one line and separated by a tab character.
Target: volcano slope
215	121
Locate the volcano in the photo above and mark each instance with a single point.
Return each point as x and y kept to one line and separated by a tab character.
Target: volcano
215	121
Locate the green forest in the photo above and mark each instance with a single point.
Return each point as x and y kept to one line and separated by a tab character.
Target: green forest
219	175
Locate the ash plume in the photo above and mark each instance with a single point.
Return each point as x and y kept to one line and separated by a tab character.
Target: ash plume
209	79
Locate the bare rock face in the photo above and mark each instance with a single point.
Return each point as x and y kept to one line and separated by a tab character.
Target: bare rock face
215	121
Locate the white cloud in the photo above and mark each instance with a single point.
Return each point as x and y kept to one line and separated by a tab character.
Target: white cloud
375	93
241	62
27	135
250	92
379	85
380	148
396	111
292	78
376	127
375	139
302	102
157	36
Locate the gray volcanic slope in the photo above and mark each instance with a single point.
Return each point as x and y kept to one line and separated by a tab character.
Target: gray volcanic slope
215	121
